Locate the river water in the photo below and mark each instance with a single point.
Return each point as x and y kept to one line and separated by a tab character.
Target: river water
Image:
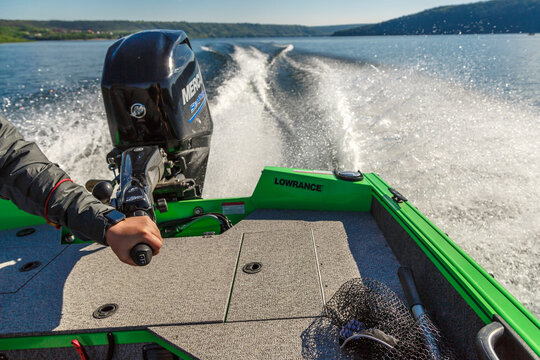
452	122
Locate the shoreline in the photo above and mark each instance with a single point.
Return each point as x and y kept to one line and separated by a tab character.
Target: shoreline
285	36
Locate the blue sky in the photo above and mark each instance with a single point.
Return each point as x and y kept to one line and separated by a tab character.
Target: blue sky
303	12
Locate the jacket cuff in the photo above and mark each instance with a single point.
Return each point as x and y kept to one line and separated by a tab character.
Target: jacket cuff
78	210
94	230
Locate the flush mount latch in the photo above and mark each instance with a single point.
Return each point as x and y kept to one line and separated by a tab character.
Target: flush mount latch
398	197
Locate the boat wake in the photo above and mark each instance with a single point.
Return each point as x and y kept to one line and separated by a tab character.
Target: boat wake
70	127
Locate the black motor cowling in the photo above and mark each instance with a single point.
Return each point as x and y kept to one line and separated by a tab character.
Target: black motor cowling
154	95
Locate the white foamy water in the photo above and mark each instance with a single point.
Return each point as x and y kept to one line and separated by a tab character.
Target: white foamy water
71	131
245	140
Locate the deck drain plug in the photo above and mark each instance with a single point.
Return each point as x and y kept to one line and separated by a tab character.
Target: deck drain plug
30	266
252	268
105	311
25	232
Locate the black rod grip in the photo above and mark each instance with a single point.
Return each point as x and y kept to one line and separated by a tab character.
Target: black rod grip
407	282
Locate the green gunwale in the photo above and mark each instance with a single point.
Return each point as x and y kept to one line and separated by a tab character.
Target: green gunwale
482	292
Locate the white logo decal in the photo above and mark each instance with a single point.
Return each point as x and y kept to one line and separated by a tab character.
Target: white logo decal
191	89
138	110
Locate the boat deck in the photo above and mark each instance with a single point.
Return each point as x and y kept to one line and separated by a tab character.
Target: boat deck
195	294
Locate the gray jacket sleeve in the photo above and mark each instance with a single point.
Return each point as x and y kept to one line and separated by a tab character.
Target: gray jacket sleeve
27	178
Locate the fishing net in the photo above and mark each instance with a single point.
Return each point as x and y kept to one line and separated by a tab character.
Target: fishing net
366	320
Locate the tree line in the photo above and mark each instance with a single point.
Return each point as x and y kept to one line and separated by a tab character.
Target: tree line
27	30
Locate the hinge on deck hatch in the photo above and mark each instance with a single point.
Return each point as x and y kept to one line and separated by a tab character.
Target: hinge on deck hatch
398	197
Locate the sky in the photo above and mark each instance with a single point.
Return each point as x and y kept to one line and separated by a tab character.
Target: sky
302	12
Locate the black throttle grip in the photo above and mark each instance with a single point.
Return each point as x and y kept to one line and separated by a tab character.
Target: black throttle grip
141	254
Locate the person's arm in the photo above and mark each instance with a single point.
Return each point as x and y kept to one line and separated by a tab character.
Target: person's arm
39	187
27	178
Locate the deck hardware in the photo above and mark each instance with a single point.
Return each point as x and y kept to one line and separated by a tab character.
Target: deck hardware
69	238
30	266
25	232
162	206
252	268
349	175
397	196
105	311
198	210
498	338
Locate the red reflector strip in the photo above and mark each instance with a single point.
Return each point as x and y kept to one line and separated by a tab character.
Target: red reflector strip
233	208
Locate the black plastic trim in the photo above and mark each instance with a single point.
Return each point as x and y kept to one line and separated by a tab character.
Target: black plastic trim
340	174
110	349
499	341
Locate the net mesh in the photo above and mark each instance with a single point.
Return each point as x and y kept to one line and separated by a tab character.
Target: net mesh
374	305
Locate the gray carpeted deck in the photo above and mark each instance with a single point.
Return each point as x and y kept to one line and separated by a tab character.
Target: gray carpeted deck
197	283
188	282
43	245
245	340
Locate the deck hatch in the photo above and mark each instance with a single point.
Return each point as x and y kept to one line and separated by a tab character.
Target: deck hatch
287	285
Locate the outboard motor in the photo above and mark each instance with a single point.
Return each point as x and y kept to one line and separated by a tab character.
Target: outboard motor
154	96
159	120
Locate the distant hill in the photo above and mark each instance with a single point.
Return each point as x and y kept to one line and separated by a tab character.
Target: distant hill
27	30
331	29
496	16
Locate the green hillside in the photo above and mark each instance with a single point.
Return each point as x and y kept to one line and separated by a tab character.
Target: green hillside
496	16
25	30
